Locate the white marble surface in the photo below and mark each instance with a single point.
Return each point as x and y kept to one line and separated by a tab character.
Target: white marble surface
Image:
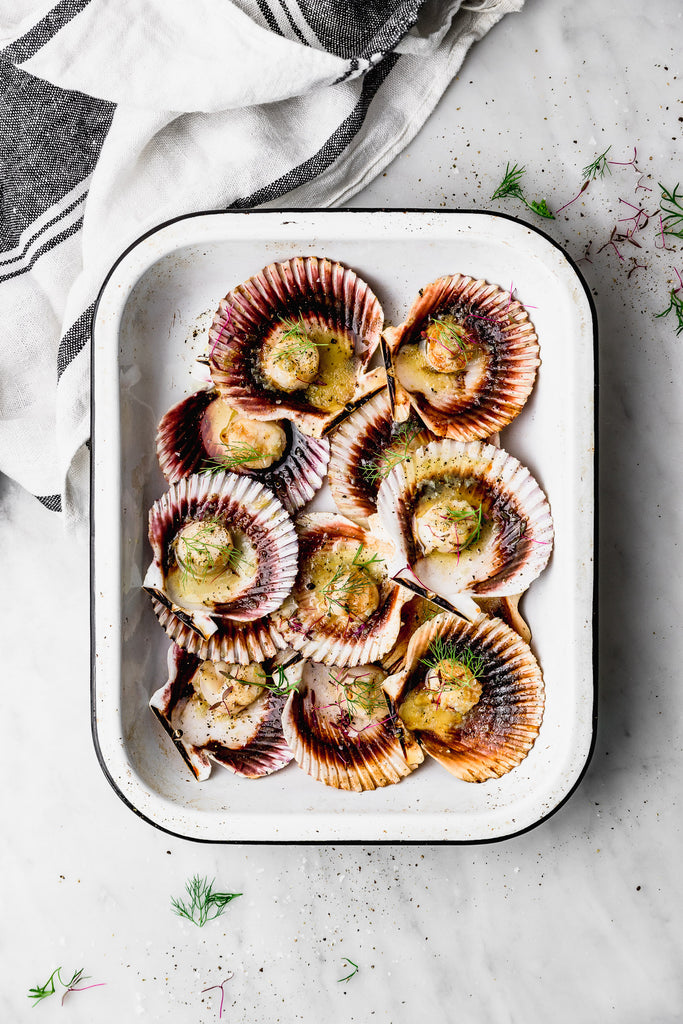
577	921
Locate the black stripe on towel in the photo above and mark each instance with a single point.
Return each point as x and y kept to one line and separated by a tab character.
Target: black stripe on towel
333	147
51	501
75	339
41	33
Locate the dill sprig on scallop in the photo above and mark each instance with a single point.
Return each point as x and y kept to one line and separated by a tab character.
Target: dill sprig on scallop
360	693
452	335
397	451
215	557
300	341
671	205
349	580
465	516
237	454
203	903
277	682
511	186
449	651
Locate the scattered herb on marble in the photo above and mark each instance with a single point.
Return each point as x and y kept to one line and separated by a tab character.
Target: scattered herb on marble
220	985
598	167
511	186
353	972
203	903
675	305
41	992
671	206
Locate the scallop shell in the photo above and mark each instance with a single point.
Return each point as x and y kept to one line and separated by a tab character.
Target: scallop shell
494	389
335	745
339	643
323	294
514	547
499	731
240	502
235	642
366	444
261	750
294	479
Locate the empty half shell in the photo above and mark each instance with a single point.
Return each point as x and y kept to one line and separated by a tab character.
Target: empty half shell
365	449
222	713
465	519
472	693
224	550
203	433
341	730
465	358
294	342
344	609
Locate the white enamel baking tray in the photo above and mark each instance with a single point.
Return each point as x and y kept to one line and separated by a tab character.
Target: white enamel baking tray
150	325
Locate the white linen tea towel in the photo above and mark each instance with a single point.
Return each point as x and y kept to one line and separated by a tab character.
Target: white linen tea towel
117	115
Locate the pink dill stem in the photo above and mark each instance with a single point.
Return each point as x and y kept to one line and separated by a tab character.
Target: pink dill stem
644	187
663	246
680	281
211	987
83	988
636	218
626	163
636	266
579	193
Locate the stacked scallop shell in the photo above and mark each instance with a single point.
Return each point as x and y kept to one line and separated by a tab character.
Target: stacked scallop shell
321	637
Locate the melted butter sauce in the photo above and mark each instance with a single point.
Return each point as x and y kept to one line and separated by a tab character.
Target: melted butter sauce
335	383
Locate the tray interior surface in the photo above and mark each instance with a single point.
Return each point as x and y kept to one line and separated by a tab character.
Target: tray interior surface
151	325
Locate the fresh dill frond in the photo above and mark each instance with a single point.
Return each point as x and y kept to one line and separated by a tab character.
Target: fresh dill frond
278	683
350	579
676	307
597	168
451	335
448	651
41	992
671	205
397	451
353	972
511	183
511	186
203	903
236	454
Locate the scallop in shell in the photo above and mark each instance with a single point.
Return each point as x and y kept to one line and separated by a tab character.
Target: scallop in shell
467	520
203	432
365	449
465	358
342	731
343	610
294	342
222	713
224	550
472	693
